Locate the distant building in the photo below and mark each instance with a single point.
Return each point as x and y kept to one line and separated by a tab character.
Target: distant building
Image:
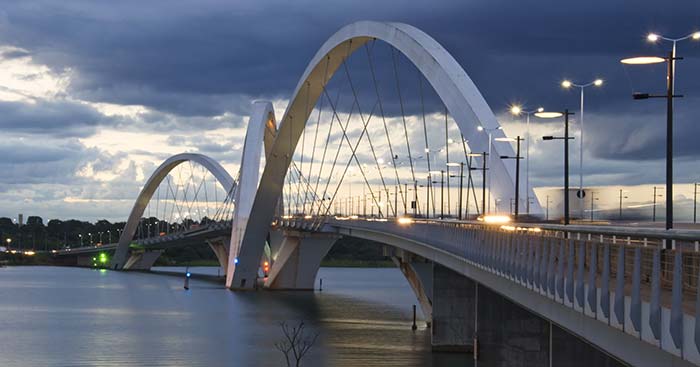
20	219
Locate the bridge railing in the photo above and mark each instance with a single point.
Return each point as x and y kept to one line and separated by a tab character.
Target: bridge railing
641	281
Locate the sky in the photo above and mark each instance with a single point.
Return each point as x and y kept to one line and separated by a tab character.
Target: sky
94	95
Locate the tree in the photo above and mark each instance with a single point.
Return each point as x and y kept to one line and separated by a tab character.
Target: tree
296	343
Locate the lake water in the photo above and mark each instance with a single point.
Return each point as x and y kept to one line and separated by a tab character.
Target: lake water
55	316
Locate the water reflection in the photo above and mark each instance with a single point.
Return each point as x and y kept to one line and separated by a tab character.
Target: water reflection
81	317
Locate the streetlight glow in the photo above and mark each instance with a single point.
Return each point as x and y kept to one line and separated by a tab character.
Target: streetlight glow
598	82
566	84
652	37
642	60
548	115
696	36
480	128
516	110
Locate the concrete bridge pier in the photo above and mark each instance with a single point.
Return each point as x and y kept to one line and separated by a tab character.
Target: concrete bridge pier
220	246
142	260
298	259
419	273
466	313
454	306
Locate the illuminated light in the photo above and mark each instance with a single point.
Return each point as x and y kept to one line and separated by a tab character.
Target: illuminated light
13	251
286	217
696	36
29	253
598	82
540	109
642	60
495	219
235	261
454	164
480	128
548	115
380	160
103	258
566	84
103	271
652	37
266	263
536	230
308	216
94	259
188	274
504	139
53	251
427	150
508	228
516	110
404	220
353	217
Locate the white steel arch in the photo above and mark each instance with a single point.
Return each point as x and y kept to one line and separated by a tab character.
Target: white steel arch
260	133
221	175
452	84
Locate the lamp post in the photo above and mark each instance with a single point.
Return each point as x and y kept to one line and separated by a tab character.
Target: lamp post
489	132
695	203
483	170
653	210
566	139
80	235
568	84
517	158
517	111
593	198
442	191
461	185
653	37
670	60
621	197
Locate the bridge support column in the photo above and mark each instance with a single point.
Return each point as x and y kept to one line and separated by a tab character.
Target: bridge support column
419	273
220	247
298	260
453	311
142	260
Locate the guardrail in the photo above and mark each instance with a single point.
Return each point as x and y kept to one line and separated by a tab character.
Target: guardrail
642	281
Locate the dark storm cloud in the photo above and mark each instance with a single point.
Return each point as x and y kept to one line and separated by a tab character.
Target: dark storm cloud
50	117
206	58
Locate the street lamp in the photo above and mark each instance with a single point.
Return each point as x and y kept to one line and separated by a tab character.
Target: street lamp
9	241
592	201
670	60
566	84
653	211
442	191
517	111
621	197
653	37
80	235
489	132
517	158
566	138
695	203
461	185
483	170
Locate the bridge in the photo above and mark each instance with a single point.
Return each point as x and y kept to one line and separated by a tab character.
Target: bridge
381	125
